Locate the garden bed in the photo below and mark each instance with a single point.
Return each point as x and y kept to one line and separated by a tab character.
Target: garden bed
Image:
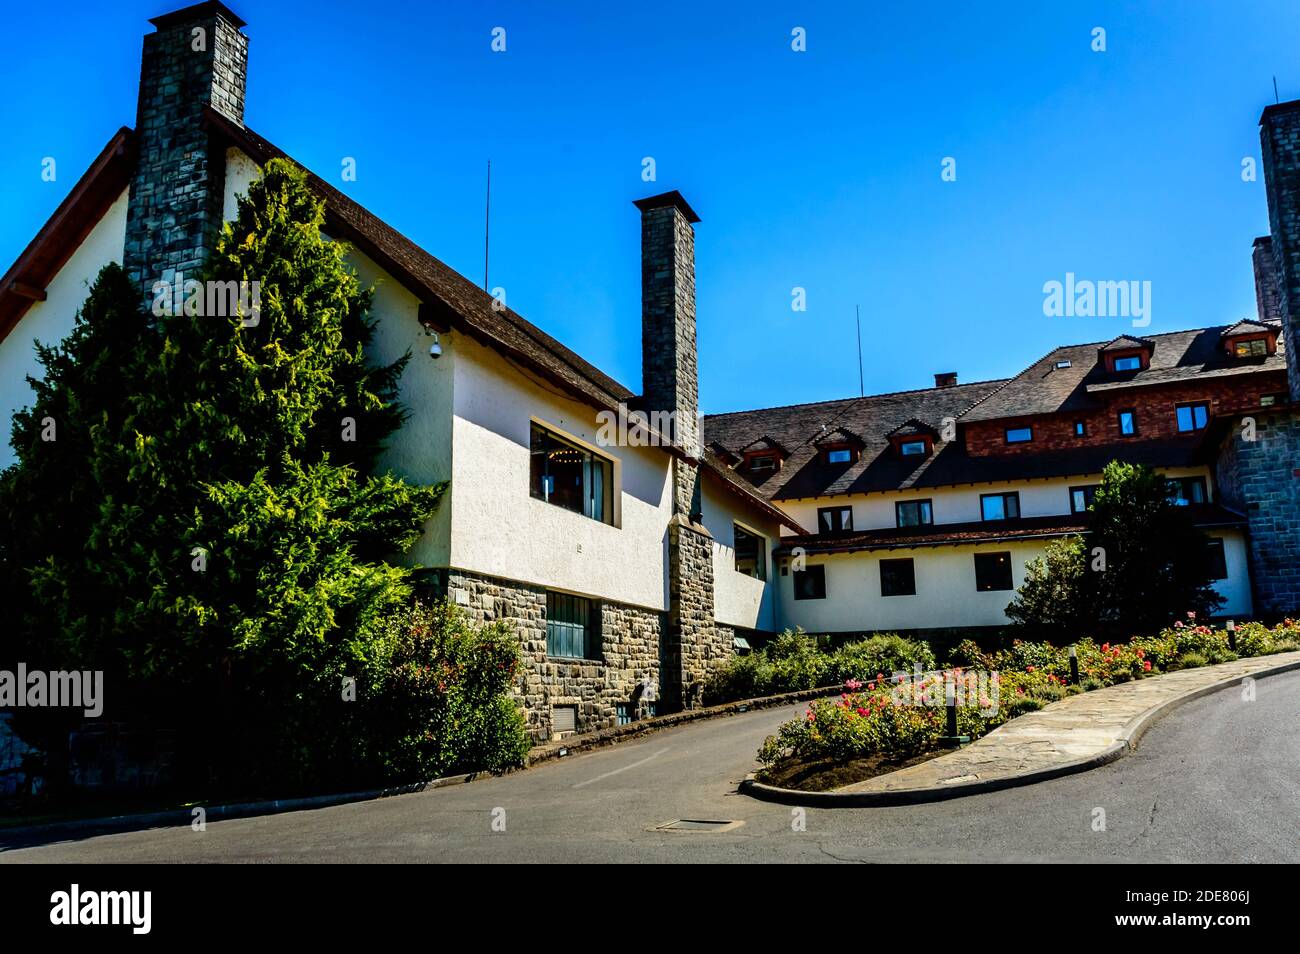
825	775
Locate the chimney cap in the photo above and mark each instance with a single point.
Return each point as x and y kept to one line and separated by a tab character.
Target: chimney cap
945	379
666	200
197	11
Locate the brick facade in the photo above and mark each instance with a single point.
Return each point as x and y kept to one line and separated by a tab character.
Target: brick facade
1154	405
198	57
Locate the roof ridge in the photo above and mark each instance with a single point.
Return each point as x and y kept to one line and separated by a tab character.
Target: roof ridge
863	397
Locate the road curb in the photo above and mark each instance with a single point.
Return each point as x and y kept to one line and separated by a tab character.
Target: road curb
177	817
1128	740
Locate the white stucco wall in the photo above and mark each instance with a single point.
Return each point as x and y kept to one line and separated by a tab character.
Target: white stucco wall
1236	588
499	529
1038	498
738	599
51	321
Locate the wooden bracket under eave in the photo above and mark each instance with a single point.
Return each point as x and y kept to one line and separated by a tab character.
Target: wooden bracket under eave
24	290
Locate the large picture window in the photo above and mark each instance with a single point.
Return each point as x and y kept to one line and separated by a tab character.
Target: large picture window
1186	490
572	627
897	578
570	476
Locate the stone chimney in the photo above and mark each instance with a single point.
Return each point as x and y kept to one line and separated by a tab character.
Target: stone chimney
1280	141
196	58
669	362
1268	302
945	379
692	643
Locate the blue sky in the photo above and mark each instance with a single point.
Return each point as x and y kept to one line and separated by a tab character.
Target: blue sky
818	169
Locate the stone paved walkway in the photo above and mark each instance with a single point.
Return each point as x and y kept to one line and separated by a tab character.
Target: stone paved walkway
1080	727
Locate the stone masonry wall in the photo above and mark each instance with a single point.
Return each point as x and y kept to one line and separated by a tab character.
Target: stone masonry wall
629	651
175	206
669	361
1261	478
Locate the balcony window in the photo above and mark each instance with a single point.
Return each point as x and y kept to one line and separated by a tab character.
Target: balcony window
913	513
834	519
1000	506
570	476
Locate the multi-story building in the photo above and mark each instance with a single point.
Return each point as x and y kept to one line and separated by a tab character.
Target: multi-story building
631	565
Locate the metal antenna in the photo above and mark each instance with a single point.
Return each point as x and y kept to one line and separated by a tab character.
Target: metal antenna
487	225
857	314
1276	98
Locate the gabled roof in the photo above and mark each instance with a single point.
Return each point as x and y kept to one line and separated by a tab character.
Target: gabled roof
449	300
763	444
1127	343
1043	388
839	435
1248	326
65	230
914	427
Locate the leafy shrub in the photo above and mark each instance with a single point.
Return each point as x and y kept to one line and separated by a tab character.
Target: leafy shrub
1192	661
881	654
441	700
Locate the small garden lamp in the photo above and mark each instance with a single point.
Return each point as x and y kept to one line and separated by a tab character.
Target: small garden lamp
1232	635
1074	666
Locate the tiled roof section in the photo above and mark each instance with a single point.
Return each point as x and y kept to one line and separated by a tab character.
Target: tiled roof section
873	417
1043	388
1248	326
989	531
463	305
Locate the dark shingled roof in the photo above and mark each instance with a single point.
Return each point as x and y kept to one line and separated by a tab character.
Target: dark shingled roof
1042	388
800	426
1127	343
1249	326
457	302
988	531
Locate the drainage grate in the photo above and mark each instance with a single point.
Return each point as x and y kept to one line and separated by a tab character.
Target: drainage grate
698	824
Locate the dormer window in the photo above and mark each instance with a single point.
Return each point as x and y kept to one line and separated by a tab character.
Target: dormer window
763	456
913	438
1126	353
1127	363
1250	348
839	455
914	448
1250	339
764	463
839	446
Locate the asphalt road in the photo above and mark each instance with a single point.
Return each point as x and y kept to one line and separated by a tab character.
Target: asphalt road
1218	780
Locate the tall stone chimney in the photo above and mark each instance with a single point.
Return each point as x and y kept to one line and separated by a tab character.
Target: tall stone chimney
692	643
1280	142
196	58
1268	301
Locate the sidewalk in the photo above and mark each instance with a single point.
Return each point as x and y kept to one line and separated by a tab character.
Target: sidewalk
1073	735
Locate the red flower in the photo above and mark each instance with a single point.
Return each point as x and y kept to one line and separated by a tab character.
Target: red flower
1147	665
1029	669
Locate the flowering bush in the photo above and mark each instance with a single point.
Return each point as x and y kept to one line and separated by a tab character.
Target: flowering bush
902	717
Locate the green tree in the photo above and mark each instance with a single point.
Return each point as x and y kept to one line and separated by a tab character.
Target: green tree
1142	566
228	516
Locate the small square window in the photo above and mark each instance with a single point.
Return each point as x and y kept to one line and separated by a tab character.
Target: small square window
1000	506
1130	363
1192	417
810	583
993	571
572	627
897	578
1128	423
1019	435
625	714
913	513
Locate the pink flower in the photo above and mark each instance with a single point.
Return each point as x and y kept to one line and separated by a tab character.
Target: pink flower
1147	665
1029	669
853	684
863	712
1178	625
1191	615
